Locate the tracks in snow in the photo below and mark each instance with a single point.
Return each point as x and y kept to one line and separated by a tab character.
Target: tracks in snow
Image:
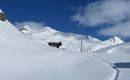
115	73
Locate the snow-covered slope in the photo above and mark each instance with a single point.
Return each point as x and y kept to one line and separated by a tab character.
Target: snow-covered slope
70	41
21	58
1	11
114	41
119	56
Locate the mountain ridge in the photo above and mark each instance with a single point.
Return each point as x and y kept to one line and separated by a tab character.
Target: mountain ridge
71	41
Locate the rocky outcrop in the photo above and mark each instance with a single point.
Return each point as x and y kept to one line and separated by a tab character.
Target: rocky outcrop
2	16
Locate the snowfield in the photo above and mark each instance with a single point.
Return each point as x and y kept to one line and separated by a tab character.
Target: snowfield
70	41
23	58
120	57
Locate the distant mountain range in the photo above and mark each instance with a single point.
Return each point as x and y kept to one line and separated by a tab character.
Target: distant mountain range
70	41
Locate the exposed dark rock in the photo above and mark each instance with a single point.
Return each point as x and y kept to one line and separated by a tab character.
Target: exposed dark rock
55	44
2	16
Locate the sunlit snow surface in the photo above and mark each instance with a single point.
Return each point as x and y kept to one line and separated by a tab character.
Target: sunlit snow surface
1	11
22	58
120	57
69	41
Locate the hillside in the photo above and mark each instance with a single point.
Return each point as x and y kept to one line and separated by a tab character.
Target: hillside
23	58
70	41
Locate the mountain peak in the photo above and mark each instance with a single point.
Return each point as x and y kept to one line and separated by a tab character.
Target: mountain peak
29	30
2	15
1	11
92	38
115	40
49	29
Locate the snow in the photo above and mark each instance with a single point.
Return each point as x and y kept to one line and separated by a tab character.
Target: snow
70	41
23	57
119	56
1	11
114	41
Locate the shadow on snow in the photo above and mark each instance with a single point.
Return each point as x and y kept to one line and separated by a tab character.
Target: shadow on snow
122	65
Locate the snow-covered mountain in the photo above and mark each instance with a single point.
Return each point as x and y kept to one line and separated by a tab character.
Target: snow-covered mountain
70	41
22	58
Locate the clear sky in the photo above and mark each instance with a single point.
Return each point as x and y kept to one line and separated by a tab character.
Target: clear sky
57	14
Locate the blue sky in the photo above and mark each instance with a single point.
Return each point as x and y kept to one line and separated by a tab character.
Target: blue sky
64	15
